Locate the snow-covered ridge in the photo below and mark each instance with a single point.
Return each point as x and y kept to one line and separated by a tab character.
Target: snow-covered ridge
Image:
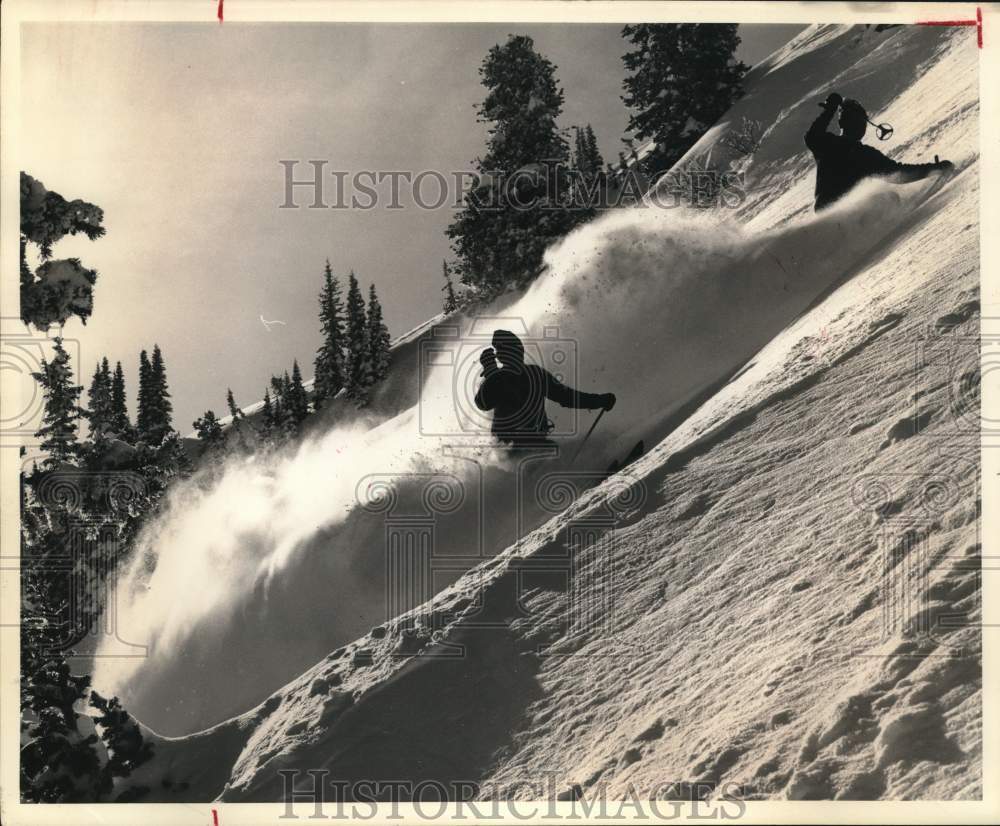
742	565
406	338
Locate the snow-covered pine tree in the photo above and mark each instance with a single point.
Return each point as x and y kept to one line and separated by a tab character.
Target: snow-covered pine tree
62	409
59	761
683	77
329	366
298	400
356	350
123	741
59	764
209	432
120	424
497	242
57	290
450	299
379	354
168	460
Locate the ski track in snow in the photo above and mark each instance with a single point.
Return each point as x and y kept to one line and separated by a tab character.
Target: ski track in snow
744	639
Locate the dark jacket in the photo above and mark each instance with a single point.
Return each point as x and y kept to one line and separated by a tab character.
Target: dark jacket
842	162
517	395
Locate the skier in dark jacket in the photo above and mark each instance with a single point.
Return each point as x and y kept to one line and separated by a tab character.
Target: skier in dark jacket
516	393
843	160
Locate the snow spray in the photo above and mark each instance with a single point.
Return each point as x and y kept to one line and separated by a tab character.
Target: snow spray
247	579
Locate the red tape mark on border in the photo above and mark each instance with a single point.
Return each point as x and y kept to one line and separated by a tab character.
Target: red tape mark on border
220	20
978	23
215	814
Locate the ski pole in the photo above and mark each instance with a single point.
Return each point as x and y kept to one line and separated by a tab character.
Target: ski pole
603	411
882	130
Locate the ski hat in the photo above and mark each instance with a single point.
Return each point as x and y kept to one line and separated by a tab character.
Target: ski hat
508	346
853	119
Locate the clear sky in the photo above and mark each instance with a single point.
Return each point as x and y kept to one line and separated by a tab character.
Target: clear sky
177	131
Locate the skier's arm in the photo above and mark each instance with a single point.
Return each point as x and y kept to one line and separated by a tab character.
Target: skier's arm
906	172
817	133
483	400
484	395
903	173
568	397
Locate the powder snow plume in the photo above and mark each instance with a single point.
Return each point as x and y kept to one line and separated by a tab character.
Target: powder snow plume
245	581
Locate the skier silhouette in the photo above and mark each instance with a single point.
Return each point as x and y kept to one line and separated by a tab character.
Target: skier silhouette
843	160
516	393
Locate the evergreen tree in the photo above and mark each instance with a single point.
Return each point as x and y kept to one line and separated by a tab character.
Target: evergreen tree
100	413
267	416
379	353
298	400
593	161
62	410
238	429
237	418
144	414
278	404
329	366
499	236
588	165
683	77
119	407
288	423
57	290
167	460
234	410
450	300
283	421
58	763
210	432
356	362
579	149
122	738
161	408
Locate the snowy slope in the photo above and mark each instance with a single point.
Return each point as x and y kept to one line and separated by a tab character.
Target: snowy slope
763	605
